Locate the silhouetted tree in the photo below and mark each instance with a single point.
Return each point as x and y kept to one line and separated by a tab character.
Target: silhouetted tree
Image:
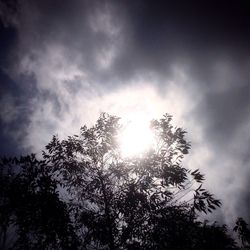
32	215
84	195
136	202
243	231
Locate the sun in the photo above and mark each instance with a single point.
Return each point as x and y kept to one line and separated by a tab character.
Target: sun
136	137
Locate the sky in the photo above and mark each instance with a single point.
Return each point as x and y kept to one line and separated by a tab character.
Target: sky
64	62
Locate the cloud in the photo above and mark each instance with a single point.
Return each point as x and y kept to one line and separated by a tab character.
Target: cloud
72	60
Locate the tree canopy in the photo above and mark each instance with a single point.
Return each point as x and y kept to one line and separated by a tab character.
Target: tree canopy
83	194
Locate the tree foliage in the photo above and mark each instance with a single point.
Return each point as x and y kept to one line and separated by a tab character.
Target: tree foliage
32	214
84	195
243	231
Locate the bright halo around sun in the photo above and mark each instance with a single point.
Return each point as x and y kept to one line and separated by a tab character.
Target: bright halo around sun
136	137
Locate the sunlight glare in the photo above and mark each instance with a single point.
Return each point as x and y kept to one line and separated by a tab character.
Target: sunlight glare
136	137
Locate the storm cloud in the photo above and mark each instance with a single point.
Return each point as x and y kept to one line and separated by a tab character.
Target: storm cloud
62	63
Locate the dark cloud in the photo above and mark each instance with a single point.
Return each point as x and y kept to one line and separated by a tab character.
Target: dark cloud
63	62
225	111
198	33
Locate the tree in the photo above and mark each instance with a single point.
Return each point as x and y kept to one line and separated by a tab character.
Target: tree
130	203
243	231
107	201
32	215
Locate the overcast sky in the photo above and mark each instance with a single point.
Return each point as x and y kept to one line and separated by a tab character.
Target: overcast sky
64	62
